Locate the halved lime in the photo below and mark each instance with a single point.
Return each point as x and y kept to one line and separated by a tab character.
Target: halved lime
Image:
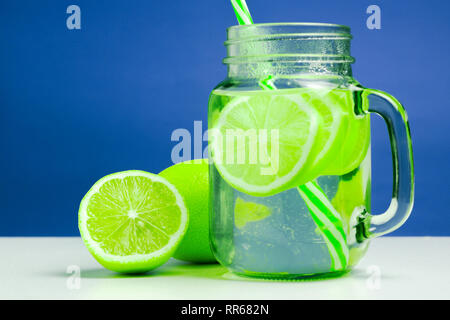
132	221
261	140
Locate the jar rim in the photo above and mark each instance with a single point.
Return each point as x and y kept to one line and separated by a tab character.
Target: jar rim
300	24
264	31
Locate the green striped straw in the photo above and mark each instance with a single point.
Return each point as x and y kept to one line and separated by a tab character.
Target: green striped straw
242	12
329	222
326	218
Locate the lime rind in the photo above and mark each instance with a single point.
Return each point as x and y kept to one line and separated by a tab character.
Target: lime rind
191	178
131	262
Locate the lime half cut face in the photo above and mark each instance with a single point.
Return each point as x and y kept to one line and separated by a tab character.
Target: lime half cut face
260	142
132	221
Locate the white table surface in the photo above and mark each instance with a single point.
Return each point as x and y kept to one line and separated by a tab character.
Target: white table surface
394	268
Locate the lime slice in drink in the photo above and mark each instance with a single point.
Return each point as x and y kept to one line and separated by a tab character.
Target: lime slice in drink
261	140
360	142
246	211
353	191
333	107
132	221
353	148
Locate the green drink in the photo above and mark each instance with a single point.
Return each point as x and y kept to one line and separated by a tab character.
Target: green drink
284	237
289	134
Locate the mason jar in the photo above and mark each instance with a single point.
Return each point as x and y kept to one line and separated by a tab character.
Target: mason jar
289	148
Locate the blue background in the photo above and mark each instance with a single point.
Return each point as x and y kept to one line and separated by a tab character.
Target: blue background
79	104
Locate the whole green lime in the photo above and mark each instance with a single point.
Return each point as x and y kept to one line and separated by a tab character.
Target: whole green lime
191	180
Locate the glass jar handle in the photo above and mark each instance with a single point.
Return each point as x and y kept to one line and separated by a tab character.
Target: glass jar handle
391	110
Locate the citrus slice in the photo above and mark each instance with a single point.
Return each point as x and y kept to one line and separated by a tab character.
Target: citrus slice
353	191
132	221
333	107
360	144
246	211
261	141
353	148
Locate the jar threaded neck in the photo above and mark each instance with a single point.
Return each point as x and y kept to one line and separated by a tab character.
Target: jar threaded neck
279	48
